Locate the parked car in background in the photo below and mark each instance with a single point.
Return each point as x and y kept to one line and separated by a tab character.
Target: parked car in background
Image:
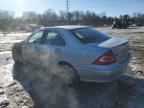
87	53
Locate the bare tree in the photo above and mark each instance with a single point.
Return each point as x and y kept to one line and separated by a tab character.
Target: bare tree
30	17
6	18
49	18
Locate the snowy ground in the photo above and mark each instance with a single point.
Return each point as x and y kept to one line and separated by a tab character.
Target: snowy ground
127	92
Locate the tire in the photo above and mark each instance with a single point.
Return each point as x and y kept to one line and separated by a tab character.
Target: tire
71	75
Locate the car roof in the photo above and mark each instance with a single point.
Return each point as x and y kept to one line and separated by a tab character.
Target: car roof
67	27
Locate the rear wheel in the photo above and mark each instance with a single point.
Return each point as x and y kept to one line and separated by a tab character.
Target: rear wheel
70	75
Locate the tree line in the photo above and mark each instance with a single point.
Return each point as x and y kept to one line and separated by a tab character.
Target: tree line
51	18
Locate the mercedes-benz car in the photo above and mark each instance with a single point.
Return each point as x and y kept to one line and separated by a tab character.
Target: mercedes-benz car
89	54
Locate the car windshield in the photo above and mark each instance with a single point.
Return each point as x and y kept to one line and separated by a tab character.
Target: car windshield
89	35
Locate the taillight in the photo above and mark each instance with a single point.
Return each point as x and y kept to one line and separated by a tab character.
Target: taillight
106	59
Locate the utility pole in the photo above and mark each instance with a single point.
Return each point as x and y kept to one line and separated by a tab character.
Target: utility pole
67	7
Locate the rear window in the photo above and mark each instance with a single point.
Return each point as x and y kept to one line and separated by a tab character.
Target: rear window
89	35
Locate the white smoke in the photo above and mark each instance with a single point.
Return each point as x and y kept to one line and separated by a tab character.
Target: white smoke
48	82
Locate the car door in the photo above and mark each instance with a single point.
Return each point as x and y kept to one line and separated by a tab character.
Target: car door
30	50
53	47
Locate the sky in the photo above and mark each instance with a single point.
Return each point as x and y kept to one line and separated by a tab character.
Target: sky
110	7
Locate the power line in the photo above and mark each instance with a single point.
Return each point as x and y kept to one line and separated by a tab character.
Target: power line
67	9
67	5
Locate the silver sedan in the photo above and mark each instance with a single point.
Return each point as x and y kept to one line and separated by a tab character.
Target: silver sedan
89	54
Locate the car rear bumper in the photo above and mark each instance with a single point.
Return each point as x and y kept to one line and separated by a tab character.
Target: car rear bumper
103	75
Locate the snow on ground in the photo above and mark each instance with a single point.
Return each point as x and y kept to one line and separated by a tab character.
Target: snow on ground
9	39
127	92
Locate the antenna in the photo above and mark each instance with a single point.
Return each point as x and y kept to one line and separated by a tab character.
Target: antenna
67	7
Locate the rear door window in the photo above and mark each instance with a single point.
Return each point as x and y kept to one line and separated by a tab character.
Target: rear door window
53	38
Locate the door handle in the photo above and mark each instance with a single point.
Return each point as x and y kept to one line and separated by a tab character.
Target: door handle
58	51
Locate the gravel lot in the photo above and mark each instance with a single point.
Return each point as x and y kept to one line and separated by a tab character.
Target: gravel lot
20	86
